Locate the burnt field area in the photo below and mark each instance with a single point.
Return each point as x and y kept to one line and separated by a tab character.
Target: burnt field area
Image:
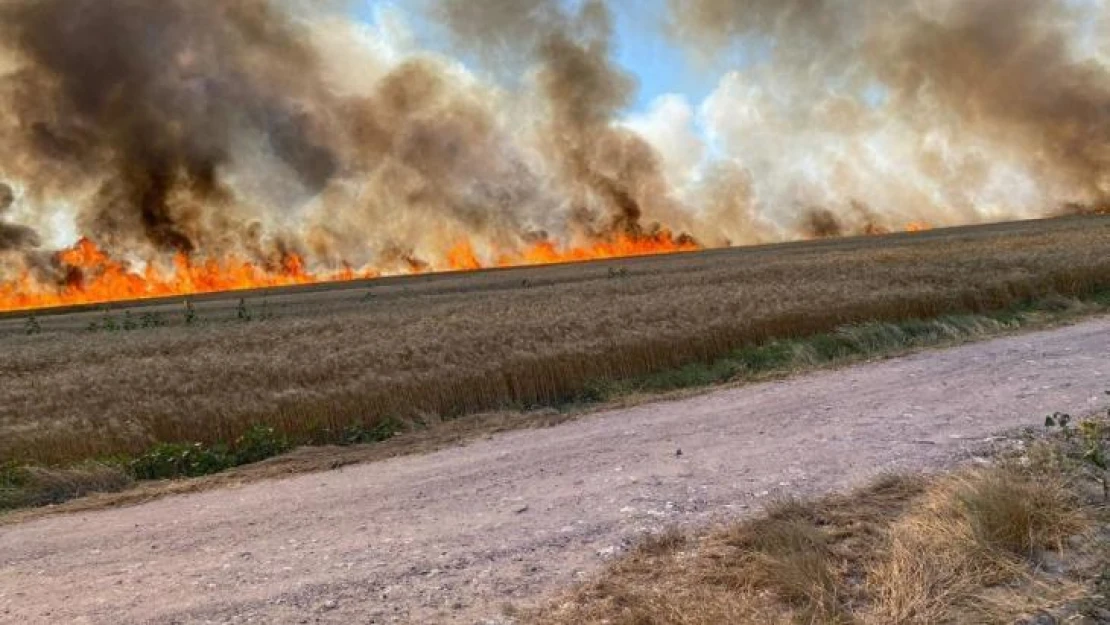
313	363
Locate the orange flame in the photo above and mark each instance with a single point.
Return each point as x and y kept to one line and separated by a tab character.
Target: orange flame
918	226
92	276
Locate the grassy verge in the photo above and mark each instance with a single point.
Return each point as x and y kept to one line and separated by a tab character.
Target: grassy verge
1024	541
853	343
25	486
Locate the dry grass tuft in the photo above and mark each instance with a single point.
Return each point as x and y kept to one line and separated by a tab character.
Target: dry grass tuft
1019	513
964	548
793	560
663	544
971	532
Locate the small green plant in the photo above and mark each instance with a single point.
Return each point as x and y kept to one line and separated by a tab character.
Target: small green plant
12	475
357	434
129	323
1087	446
259	443
618	272
14	479
108	323
173	460
368	296
32	326
242	312
151	320
190	313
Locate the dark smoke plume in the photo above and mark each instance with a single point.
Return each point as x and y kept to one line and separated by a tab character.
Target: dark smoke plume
266	128
147	98
612	175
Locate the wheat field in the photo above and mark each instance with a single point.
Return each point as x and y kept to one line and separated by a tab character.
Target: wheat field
314	361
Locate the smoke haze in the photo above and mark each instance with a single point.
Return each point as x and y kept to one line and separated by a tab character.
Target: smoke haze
265	128
944	111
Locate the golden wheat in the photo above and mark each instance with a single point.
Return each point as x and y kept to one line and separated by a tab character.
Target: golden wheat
457	344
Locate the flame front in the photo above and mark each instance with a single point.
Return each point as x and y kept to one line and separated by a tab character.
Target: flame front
92	276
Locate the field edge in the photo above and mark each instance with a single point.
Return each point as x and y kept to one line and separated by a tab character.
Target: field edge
28	491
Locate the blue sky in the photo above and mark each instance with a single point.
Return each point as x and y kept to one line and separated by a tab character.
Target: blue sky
645	51
642	48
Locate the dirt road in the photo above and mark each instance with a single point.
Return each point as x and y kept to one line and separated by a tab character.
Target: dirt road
453	536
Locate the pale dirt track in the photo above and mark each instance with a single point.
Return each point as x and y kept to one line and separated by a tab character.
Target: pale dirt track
454	535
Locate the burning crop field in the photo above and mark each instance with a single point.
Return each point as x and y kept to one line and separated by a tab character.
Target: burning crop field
159	155
335	363
178	147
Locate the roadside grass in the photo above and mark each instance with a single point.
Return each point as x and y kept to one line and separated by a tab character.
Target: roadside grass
853	343
1021	540
27	485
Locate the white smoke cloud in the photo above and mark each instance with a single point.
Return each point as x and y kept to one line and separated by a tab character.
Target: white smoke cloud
813	125
670	127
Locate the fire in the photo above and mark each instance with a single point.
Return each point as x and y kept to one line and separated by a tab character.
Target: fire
93	276
914	226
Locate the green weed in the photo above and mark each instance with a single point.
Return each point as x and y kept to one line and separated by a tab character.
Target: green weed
173	460
360	435
242	312
1085	447
190	313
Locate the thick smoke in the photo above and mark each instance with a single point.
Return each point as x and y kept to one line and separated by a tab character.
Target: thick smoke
945	111
612	176
214	128
262	128
12	236
146	100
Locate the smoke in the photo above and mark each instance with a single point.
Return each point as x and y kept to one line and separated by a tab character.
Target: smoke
612	178
143	103
945	111
12	236
266	128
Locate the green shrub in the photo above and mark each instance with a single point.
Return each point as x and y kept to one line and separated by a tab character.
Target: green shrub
259	443
172	460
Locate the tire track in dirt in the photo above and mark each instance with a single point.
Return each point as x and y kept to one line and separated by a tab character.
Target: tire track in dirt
454	535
